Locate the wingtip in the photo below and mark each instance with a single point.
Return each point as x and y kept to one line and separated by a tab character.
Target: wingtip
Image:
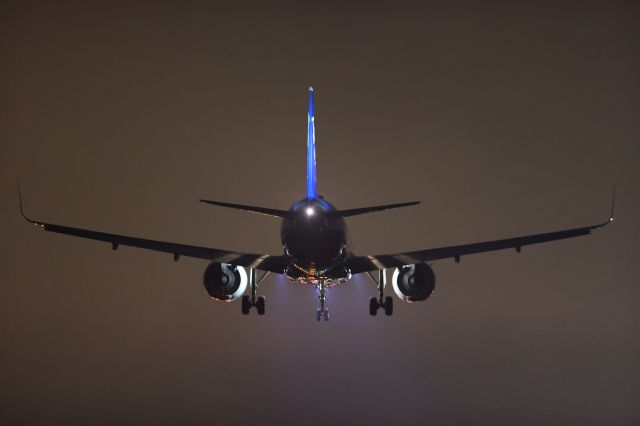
24	216
613	202
611	212
20	199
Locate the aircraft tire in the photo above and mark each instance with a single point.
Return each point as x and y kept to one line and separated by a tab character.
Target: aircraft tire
246	305
261	305
373	306
388	306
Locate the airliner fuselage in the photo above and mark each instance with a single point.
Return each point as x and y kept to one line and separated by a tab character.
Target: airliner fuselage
315	241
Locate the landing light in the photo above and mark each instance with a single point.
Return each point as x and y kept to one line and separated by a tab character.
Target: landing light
309	211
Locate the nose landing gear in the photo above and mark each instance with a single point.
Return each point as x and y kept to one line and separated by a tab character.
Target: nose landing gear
322	312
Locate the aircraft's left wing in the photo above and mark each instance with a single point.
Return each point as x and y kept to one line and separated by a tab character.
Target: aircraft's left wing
265	262
358	264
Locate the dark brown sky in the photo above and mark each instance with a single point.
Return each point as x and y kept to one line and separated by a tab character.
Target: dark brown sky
503	120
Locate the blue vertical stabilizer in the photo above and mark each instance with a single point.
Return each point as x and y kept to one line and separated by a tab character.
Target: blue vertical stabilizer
312	191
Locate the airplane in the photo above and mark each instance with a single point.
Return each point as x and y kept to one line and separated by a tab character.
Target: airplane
316	249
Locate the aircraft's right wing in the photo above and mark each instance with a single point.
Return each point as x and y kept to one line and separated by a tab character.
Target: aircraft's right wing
358	264
271	263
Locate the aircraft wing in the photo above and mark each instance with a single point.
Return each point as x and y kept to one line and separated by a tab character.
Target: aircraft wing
358	264
269	263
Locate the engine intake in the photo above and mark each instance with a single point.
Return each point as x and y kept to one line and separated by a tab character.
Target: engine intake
414	283
224	281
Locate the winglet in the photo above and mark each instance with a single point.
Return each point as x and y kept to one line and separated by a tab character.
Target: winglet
21	209
611	212
613	202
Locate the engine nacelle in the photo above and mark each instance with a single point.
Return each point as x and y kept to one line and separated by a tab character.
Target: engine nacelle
414	283
224	281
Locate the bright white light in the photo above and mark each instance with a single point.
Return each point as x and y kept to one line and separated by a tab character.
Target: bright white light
309	211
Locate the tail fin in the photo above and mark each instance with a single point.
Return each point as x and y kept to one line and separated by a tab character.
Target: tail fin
312	191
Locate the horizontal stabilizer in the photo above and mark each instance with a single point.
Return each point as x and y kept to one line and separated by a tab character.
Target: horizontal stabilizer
362	210
261	210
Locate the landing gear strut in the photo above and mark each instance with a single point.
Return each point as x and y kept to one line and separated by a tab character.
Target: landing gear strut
248	302
323	312
380	301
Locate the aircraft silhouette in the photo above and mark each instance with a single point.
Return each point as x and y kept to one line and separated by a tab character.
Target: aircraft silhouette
316	249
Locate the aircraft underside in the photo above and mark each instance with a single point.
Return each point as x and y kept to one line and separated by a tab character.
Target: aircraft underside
226	282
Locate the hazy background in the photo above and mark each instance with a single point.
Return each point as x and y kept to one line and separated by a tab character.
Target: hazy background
503	119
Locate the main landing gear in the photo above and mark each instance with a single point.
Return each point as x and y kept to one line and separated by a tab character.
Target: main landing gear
380	301
248	302
322	312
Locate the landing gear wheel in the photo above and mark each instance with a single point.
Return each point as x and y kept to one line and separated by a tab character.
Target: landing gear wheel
388	306
373	306
246	305
260	305
322	314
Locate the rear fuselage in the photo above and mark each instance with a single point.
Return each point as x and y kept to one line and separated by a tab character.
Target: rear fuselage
315	241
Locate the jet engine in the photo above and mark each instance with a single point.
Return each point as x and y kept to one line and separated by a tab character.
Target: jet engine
414	283
224	281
